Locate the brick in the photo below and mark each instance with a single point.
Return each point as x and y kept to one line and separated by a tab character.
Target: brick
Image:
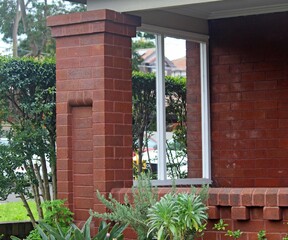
272	213
266	104
242	86
218	88
83	179
65	186
254	76
250	226
240	213
81	215
255	115
83	191
267	123
64	175
283	197
61	75
256	213
275	75
271	197
67	63
64	164
242	106
262	85
230	59
240	68
235	197
84	203
243	124
213	212
268	66
258	197
213	197
225	212
83	168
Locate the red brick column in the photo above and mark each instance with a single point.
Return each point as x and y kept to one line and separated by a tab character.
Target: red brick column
94	136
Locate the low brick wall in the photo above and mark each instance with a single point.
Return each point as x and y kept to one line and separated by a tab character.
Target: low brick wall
18	229
247	209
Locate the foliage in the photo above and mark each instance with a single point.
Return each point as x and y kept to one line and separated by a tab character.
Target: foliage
177	216
34	235
49	232
143	40
28	19
261	235
145	35
234	234
56	211
14	211
144	114
220	226
134	211
56	214
176	113
27	93
175	92
142	44
143	109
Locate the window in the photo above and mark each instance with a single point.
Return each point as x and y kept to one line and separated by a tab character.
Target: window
160	102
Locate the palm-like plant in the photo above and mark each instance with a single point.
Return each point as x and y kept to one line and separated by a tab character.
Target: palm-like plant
48	232
177	216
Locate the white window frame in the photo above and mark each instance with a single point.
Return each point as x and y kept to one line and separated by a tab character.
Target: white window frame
160	102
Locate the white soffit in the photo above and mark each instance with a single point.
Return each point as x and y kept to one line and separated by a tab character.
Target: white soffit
205	9
136	5
231	8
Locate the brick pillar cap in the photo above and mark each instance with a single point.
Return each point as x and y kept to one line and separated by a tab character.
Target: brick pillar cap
92	16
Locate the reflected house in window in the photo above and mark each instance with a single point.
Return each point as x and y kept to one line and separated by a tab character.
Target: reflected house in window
148	63
179	67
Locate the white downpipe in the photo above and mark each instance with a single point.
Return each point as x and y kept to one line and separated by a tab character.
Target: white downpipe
160	99
205	113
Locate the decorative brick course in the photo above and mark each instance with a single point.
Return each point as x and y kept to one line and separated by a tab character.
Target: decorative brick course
250	218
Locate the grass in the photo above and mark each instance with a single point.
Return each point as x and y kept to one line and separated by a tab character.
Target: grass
15	211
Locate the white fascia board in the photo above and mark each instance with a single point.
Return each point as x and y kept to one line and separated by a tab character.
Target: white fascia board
139	5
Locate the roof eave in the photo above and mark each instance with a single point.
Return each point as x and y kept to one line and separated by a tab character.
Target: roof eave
77	1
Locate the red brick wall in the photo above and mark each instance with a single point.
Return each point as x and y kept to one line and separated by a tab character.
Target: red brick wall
249	97
94	92
82	160
194	145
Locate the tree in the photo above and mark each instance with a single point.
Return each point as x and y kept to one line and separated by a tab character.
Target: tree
142	41
28	17
143	110
27	93
144	117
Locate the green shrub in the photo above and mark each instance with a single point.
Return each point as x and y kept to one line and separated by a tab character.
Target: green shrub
133	212
177	216
50	232
56	214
